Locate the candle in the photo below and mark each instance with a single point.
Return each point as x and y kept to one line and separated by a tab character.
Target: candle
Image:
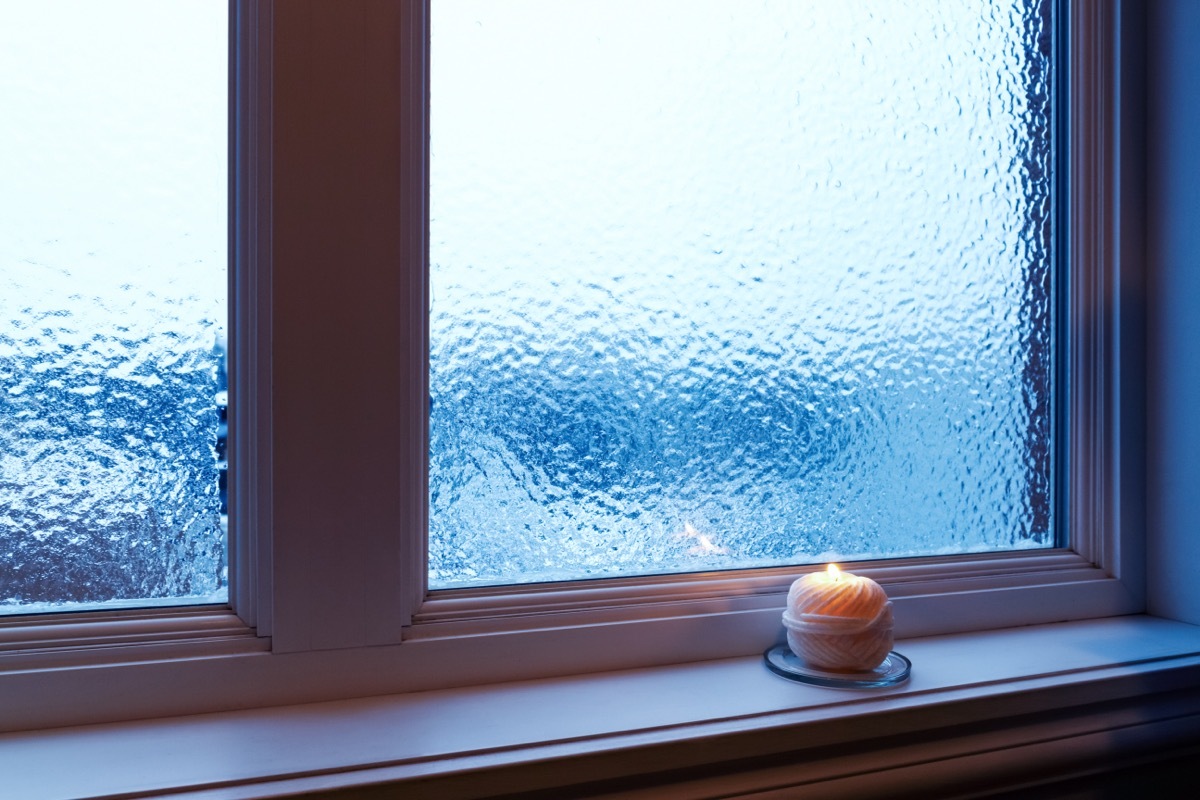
839	622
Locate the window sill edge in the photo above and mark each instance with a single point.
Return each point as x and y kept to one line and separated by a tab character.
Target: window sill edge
1102	688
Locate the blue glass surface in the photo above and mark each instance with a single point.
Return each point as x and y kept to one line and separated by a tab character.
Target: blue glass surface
725	284
112	302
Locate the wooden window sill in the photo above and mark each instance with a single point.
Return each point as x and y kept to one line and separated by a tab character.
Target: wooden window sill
994	706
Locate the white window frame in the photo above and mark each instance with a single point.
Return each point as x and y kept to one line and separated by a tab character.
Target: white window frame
328	427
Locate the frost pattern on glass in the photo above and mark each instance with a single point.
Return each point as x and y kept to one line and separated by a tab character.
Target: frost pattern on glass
727	284
112	303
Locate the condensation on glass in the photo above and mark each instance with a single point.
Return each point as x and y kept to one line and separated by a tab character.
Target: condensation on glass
732	284
113	199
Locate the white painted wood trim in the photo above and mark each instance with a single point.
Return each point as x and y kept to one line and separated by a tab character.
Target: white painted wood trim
899	577
413	409
658	588
343	407
77	630
1089	284
1104	471
142	681
1094	472
930	596
1011	704
1101	575
1172	111
331	578
1105	370
250	322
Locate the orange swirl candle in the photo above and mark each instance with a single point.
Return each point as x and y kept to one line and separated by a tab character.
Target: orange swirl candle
838	622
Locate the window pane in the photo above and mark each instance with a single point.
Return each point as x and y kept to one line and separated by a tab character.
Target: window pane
113	200
726	284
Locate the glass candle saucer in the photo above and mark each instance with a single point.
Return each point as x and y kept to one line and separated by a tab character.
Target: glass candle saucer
894	670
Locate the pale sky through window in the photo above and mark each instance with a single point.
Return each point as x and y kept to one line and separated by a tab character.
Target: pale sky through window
113	217
725	283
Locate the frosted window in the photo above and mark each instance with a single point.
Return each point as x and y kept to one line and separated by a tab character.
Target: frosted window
728	284
113	184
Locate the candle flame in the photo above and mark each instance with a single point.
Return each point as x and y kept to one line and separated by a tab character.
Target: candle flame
833	572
